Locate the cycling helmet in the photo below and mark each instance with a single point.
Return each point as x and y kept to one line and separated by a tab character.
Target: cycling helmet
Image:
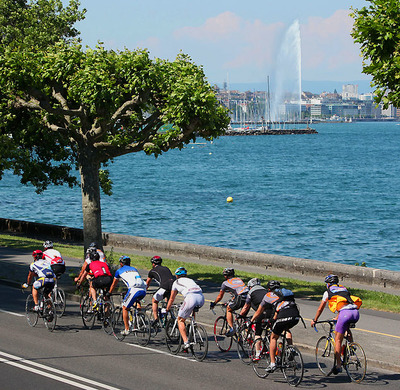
94	255
273	284
332	279
253	282
228	272
37	255
181	271
48	244
93	245
125	260
157	260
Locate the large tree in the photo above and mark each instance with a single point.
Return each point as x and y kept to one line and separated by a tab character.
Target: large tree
89	106
377	30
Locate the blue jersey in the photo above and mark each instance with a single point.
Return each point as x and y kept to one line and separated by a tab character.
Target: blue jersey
130	276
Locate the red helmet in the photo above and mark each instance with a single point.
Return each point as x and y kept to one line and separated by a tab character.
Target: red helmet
37	255
157	260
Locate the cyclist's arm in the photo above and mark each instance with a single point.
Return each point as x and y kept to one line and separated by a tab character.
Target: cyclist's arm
148	281
220	296
257	313
245	309
171	299
81	271
31	275
320	309
115	281
82	277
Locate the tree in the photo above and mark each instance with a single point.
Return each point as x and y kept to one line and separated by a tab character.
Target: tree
377	30
94	105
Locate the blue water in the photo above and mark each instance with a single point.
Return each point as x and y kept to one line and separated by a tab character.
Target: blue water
334	196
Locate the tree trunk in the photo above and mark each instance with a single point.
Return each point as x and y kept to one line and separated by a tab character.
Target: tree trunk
90	186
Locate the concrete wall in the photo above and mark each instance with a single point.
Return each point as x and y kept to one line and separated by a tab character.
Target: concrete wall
362	275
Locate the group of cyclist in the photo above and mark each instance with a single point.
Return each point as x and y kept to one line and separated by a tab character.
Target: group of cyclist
274	304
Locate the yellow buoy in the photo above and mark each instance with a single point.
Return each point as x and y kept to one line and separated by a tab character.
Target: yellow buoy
229	199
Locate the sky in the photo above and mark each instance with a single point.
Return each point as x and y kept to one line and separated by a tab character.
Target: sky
235	41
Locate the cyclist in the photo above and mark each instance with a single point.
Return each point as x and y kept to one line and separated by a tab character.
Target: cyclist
163	276
193	298
238	290
92	248
136	288
102	277
40	269
54	257
286	316
253	299
347	313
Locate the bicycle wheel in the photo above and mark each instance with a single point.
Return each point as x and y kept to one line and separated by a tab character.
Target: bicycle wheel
260	365
141	330
198	339
87	313
49	314
224	343
172	336
117	324
355	362
59	301
31	315
245	340
107	317
325	354
292	365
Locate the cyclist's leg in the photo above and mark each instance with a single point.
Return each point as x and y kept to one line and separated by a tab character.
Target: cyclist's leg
184	312
157	297
132	296
37	285
289	337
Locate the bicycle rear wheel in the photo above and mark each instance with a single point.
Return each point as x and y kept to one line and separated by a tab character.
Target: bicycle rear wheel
198	339
31	315
325	354
49	314
245	340
172	336
142	329
260	365
292	365
108	317
224	343
59	301
355	362
117	324
88	315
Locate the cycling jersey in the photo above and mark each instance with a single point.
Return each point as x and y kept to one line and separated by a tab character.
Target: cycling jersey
98	268
40	268
235	286
186	286
130	276
163	276
46	277
53	256
255	296
192	293
339	290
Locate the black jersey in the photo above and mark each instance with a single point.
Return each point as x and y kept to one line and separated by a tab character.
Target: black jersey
163	276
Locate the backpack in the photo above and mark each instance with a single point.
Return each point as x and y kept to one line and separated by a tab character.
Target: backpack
339	296
284	294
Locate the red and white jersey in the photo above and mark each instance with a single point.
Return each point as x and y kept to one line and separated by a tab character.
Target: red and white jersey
53	256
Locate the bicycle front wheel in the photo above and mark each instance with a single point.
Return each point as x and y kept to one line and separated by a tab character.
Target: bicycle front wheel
224	343
198	339
88	316
31	315
260	358
172	336
117	324
49	314
325	355
141	330
59	301
292	365
108	317
355	362
245	340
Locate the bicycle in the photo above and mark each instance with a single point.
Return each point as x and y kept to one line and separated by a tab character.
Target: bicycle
288	359
103	312
197	336
58	296
163	316
139	324
46	311
353	356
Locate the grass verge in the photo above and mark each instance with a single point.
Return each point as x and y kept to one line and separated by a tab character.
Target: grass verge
208	273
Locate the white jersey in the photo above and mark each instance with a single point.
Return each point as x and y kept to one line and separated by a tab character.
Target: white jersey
39	266
53	256
186	286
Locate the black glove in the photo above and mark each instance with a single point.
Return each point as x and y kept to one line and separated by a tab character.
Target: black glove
108	294
212	305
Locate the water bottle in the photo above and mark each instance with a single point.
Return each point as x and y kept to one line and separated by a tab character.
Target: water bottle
279	349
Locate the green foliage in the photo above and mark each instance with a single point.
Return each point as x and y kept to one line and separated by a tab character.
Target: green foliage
377	30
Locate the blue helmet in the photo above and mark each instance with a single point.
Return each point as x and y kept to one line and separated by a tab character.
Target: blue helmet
332	279
125	260
181	271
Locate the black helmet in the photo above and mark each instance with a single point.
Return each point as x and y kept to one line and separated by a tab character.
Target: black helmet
228	272
273	284
157	260
253	282
92	245
332	279
94	255
48	244
125	260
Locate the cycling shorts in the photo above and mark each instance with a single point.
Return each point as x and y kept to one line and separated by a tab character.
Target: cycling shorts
103	281
237	302
285	323
161	293
346	317
190	302
133	295
46	283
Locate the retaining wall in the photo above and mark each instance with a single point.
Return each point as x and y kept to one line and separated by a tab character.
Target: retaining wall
363	275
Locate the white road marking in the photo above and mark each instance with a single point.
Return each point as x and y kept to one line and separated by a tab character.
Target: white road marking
163	352
12	313
41	369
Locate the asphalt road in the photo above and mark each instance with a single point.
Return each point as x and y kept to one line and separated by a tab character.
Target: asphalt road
72	357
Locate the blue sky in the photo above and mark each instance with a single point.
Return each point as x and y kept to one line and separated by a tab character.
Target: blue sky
235	41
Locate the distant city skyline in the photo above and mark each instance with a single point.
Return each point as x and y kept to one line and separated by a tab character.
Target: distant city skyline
234	41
